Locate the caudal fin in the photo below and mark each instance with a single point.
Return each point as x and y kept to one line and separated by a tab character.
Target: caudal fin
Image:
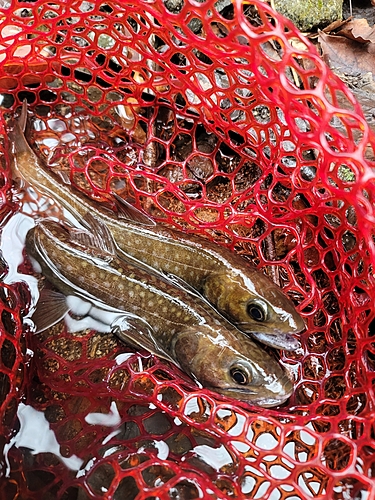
17	135
22	120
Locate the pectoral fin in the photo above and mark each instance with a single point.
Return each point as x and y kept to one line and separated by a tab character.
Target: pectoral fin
97	236
136	332
130	213
51	308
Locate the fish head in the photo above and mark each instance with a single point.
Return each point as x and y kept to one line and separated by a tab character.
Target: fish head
230	363
253	303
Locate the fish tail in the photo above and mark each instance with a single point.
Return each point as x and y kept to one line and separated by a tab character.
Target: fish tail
17	135
22	120
18	142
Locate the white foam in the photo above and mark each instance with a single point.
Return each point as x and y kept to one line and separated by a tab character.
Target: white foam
109	437
77	305
106	316
12	245
36	435
35	265
88	466
111	419
87	323
121	358
114	449
96	318
162	449
215	457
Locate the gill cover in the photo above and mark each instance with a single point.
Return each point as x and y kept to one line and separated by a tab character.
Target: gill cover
232	365
268	315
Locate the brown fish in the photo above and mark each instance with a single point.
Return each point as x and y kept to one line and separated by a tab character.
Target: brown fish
154	314
237	289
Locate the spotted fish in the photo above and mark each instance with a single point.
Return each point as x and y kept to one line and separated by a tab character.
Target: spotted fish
244	295
152	313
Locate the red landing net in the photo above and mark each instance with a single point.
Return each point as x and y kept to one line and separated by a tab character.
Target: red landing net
218	118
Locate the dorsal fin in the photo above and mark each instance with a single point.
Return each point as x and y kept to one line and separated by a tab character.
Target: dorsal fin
130	213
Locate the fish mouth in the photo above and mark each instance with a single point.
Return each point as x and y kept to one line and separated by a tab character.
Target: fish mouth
253	395
251	328
282	327
277	340
250	397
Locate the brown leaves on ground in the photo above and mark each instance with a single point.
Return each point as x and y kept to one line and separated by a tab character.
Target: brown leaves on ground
351	51
359	31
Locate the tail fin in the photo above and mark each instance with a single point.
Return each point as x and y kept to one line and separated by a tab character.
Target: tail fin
23	116
17	135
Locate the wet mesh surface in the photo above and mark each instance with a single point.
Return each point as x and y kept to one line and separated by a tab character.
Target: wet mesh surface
230	127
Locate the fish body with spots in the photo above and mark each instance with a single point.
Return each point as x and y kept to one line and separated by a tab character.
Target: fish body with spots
152	313
244	295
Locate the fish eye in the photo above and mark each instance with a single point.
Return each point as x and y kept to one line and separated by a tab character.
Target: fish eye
240	375
257	310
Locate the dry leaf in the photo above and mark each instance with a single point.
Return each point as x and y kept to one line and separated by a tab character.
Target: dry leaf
347	56
336	25
358	30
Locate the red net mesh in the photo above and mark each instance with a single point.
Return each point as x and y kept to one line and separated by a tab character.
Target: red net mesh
232	127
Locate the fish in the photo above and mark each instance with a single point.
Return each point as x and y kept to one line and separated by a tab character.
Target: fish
151	313
242	293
